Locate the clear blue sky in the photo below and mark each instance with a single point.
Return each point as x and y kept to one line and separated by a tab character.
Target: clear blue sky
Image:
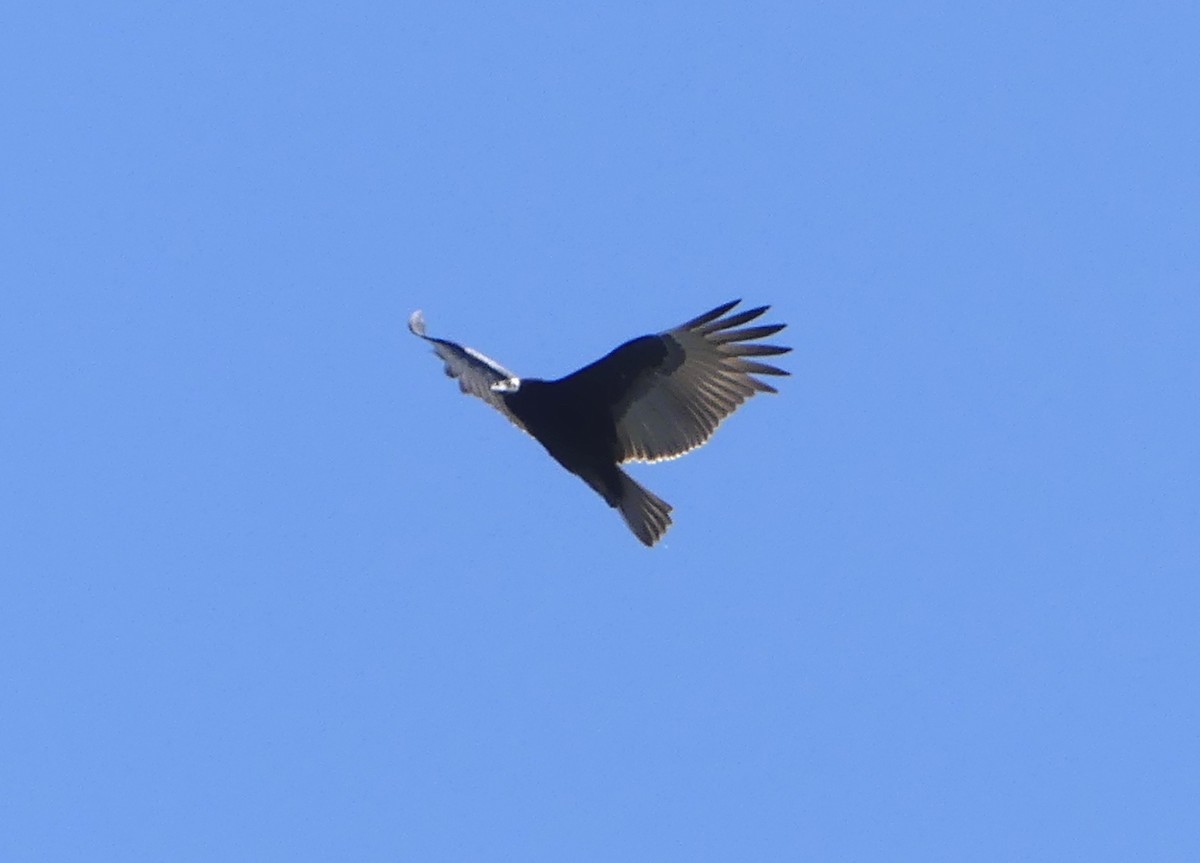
273	590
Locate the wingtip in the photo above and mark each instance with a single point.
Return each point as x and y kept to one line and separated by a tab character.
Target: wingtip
708	316
416	323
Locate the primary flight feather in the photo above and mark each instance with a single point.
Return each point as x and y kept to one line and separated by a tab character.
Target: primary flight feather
653	398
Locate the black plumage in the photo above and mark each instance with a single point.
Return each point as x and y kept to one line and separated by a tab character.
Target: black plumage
653	398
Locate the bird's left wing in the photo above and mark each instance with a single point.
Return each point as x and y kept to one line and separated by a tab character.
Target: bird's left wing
475	372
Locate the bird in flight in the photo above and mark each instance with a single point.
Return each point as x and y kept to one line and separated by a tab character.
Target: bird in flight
653	398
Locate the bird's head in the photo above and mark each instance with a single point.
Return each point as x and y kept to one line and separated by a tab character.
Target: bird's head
508	385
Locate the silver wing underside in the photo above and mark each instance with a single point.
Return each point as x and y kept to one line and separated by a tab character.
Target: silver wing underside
476	373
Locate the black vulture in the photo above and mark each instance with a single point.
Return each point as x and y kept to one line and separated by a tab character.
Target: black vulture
653	398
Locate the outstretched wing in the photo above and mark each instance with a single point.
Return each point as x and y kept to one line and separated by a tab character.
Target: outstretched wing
475	372
669	392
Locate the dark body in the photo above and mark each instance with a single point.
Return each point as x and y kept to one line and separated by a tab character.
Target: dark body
554	413
575	417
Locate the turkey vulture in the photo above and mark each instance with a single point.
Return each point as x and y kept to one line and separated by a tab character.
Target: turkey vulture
653	398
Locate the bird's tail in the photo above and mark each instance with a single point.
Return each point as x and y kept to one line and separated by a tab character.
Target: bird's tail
647	515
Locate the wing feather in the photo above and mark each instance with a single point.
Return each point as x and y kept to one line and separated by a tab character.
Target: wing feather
475	372
699	322
670	405
733	320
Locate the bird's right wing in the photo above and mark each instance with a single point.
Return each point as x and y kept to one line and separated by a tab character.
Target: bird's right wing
475	372
669	392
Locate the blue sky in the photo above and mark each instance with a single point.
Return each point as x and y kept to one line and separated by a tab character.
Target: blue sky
273	590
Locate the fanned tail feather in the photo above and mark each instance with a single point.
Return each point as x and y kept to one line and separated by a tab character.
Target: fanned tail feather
647	515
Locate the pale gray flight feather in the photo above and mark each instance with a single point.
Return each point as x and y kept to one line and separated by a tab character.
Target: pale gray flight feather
671	410
475	372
